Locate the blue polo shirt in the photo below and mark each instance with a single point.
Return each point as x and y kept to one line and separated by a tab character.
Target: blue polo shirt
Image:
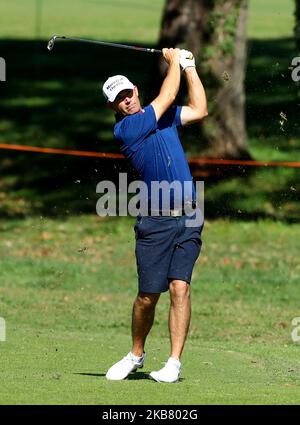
154	149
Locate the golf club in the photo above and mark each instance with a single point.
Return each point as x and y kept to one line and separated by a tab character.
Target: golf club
52	40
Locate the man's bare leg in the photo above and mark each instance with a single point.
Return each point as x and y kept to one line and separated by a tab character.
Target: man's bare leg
142	320
179	320
179	315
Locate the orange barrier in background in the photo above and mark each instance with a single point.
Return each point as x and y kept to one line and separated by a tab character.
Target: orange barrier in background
60	151
199	161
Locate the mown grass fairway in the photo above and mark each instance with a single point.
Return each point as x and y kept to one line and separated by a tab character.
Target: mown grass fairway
67	289
67	284
136	20
54	100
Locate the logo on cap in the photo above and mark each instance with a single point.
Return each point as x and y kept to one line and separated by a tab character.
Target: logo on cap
114	85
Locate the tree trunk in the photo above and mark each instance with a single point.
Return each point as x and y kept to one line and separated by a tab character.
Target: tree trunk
215	31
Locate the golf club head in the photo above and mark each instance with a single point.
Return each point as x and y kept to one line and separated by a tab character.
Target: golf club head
51	42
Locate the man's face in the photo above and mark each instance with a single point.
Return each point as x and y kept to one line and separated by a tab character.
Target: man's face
127	102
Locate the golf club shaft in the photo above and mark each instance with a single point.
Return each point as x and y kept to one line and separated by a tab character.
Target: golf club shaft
103	43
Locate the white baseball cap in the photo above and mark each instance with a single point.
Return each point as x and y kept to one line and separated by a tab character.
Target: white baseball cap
114	85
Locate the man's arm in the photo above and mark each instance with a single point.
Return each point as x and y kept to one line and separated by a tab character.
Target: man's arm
197	105
170	85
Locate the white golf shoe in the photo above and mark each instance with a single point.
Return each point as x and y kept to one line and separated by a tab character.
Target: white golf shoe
124	367
169	373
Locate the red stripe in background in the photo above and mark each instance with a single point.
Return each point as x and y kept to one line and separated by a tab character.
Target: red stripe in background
192	160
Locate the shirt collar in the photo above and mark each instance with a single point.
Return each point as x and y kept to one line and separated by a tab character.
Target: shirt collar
119	117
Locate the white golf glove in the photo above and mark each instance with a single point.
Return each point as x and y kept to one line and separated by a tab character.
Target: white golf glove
186	59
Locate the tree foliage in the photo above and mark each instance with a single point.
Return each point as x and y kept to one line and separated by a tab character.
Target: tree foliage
297	24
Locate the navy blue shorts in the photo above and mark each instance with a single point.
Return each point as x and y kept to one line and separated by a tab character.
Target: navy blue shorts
165	250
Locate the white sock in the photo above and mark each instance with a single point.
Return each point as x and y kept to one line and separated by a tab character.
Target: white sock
137	358
174	361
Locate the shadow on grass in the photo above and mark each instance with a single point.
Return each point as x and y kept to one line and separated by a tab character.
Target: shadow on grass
131	377
139	375
271	91
89	374
54	99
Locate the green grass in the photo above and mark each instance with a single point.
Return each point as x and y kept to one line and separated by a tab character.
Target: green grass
67	289
270	19
137	20
67	285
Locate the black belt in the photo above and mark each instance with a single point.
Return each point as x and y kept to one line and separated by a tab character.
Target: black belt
174	212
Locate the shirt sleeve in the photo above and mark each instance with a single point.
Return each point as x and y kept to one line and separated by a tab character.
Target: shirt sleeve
177	120
133	129
170	118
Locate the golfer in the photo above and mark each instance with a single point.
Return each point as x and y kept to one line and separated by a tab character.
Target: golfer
166	248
